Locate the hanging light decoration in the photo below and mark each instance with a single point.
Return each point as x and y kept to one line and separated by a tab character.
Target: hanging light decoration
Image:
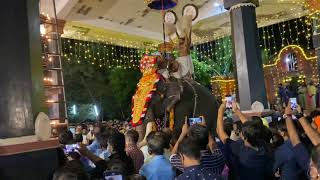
161	4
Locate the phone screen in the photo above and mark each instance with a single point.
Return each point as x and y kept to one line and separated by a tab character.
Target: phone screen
70	148
293	102
111	175
229	100
115	177
192	121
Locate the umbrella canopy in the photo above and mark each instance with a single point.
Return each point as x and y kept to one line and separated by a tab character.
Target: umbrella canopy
162	4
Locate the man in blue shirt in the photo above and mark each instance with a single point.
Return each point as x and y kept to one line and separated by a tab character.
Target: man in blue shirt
190	158
95	147
100	134
159	168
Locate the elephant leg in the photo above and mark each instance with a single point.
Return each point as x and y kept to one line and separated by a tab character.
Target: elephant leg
172	101
141	129
143	133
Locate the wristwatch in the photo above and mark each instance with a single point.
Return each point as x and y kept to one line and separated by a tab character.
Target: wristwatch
299	115
285	116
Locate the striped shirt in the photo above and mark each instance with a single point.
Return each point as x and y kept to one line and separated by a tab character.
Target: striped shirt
214	161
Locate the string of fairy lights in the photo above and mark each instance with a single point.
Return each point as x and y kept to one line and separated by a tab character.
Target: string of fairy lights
273	39
101	54
216	54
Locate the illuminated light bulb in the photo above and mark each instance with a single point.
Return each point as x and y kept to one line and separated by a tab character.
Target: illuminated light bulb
42	29
50	101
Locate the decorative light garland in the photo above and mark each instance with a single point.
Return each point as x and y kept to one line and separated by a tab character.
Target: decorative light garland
285	49
215	54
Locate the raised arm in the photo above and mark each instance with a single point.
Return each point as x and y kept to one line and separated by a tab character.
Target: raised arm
220	129
311	133
293	135
184	132
85	152
237	111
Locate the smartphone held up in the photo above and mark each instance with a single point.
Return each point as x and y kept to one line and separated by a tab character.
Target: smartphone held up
229	100
293	103
192	121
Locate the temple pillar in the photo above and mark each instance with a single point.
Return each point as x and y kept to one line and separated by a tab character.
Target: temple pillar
246	52
22	154
21	88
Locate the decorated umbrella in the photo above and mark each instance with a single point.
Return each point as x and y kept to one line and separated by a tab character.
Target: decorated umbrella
161	4
170	18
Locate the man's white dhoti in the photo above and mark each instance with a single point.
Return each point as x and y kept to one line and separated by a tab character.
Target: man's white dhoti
164	73
185	67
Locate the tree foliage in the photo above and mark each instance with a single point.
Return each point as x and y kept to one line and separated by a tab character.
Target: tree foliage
109	89
202	73
122	83
84	112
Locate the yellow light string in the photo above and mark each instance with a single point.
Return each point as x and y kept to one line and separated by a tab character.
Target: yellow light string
296	47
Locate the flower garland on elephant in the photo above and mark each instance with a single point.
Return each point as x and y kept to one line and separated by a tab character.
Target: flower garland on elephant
145	88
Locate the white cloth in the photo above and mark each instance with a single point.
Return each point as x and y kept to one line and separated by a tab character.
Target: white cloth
164	73
185	67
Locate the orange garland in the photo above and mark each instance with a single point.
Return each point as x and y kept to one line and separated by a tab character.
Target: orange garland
146	87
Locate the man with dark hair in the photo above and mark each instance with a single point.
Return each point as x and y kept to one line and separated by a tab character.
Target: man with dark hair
248	158
63	174
103	141
66	137
190	158
95	146
116	146
78	138
285	164
132	149
310	167
199	135
159	168
73	170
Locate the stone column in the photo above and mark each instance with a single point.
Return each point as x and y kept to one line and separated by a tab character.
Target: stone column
20	69
246	52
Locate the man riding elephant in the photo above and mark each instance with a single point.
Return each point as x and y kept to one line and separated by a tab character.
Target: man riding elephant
180	68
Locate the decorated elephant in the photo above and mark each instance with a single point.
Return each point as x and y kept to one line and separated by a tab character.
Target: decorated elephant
152	98
167	93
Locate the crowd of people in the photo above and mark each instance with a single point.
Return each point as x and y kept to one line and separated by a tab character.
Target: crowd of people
308	94
284	146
